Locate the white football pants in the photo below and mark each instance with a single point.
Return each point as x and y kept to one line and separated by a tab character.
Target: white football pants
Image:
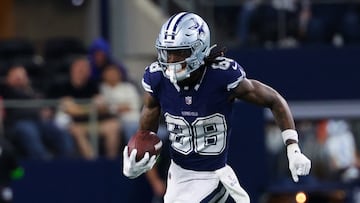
188	186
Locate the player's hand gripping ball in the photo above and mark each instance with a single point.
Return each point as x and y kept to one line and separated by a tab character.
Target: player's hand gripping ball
145	141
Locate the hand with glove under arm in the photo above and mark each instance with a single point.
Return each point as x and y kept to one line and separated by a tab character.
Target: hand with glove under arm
132	168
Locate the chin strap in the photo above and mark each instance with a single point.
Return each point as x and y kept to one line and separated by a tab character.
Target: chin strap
171	75
207	52
174	75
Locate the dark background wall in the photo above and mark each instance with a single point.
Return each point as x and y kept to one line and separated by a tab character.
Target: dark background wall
312	73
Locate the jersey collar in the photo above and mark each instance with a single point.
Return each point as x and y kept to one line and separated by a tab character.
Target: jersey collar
196	87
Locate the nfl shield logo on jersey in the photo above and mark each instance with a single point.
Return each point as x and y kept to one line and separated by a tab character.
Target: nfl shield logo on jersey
188	100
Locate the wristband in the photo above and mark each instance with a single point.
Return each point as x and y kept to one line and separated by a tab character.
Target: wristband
289	134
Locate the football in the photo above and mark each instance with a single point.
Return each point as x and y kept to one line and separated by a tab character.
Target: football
145	141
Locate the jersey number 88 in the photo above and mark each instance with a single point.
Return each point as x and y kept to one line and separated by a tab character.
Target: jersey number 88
205	136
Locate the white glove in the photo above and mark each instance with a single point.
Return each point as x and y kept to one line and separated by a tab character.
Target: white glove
133	169
299	164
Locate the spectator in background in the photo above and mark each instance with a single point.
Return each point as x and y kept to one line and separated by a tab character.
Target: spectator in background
122	98
291	18
37	136
124	101
283	21
100	56
334	23
76	114
340	147
246	16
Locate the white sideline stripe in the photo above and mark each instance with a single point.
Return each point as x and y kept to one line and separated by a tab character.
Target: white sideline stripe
322	109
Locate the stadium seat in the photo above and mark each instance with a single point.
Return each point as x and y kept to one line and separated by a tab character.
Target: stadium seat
14	48
61	47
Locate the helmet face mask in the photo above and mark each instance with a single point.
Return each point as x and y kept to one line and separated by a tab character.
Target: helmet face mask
167	55
185	37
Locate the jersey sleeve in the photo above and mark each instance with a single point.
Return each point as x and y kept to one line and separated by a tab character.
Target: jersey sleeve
151	79
233	73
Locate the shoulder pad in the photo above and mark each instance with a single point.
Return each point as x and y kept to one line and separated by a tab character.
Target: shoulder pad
154	67
152	77
224	63
232	73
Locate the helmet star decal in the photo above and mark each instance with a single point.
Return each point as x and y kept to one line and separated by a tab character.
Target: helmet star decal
195	26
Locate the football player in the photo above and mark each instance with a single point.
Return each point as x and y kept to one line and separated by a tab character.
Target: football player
195	86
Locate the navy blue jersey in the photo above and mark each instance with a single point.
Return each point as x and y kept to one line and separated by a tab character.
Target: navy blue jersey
197	118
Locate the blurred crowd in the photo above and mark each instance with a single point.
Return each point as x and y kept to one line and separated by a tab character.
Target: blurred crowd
289	23
332	143
72	101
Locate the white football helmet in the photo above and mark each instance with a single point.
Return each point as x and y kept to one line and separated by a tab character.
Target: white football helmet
183	32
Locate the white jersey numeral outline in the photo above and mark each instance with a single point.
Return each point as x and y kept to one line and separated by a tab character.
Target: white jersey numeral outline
224	64
205	136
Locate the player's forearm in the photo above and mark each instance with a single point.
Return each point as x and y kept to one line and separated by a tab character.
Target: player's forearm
282	114
150	119
266	96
